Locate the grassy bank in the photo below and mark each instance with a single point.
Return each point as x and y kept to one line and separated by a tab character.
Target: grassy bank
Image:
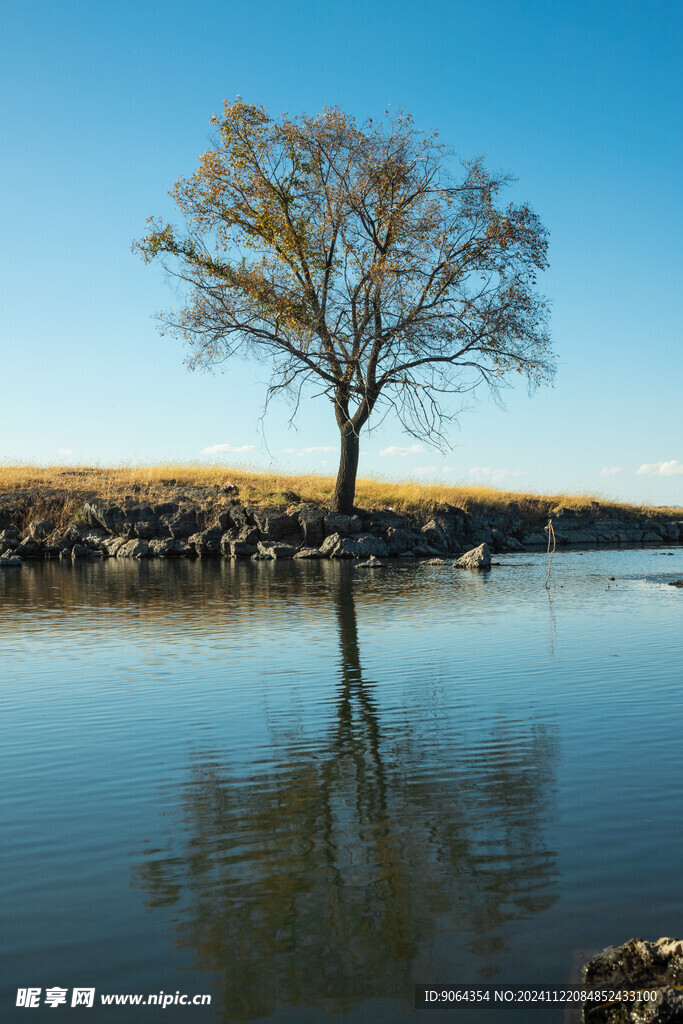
69	484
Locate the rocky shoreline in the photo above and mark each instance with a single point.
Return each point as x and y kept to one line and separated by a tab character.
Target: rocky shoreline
652	970
213	521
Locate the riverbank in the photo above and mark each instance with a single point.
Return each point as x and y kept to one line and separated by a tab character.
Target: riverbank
142	512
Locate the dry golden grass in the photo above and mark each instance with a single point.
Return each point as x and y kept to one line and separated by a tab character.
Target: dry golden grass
159	482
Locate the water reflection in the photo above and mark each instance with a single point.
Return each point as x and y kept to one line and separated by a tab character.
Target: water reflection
347	869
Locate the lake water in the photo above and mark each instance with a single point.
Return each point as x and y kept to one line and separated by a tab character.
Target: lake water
302	788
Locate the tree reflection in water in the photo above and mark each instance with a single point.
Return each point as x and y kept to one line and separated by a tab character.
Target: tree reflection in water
346	872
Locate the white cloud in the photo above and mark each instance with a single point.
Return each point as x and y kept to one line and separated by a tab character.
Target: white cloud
673	468
496	476
214	449
424	470
414	449
64	451
610	471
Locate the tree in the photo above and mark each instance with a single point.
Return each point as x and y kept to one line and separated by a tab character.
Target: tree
351	258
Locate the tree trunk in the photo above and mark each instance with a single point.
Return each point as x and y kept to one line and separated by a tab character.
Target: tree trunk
345	487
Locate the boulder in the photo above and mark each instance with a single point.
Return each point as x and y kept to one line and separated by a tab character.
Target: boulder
168	547
271	549
148	528
434	561
39	528
28	548
329	545
93	539
10	561
345	526
312	523
274	524
477	558
182	524
208	542
435	535
241	516
112	545
400	540
9	533
372	563
361	546
308	553
165	508
134	549
676	583
248	534
637	965
241	549
79	551
111	518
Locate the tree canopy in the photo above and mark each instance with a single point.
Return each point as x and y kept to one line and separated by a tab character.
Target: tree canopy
353	258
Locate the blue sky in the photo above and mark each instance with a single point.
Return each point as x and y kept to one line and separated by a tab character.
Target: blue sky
105	105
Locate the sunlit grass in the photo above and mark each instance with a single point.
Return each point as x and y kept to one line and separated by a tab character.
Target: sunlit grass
158	482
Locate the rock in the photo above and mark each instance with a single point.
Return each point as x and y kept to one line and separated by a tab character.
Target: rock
329	545
93	539
401	540
241	549
224	521
208	542
134	549
28	548
312	523
10	561
181	525
146	529
9	533
637	965
676	583
249	534
111	518
308	553
434	561
435	535
8	542
79	551
39	529
271	549
168	547
345	526
477	558
241	517
274	524
362	545
165	508
112	545
372	563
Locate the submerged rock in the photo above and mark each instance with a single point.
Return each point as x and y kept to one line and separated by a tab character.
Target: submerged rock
373	562
477	558
638	965
10	561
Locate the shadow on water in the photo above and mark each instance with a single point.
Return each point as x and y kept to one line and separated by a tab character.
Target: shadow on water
342	871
